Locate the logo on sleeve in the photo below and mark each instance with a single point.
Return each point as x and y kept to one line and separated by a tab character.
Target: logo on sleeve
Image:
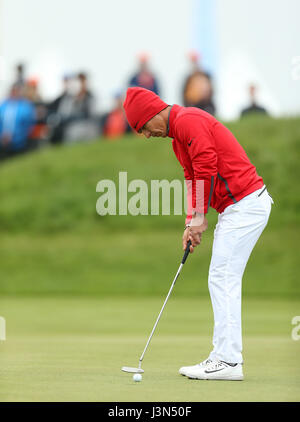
190	143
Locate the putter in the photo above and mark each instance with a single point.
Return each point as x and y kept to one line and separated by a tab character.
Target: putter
139	370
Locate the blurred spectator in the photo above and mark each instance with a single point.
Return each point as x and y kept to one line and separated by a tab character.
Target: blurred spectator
39	131
197	89
253	108
31	91
144	78
17	117
56	105
83	101
20	75
60	110
83	124
115	122
71	115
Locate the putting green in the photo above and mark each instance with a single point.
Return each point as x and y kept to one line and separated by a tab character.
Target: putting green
72	349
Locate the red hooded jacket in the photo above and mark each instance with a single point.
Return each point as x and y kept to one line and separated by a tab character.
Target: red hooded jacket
208	151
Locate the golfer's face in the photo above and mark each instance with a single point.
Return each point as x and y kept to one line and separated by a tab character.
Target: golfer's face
156	127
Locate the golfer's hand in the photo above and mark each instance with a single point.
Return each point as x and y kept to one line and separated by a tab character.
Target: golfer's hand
195	233
185	239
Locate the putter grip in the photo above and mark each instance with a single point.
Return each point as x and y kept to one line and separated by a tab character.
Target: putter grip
186	252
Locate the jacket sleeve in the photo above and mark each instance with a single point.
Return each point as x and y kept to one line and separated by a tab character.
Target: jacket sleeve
189	190
199	144
188	175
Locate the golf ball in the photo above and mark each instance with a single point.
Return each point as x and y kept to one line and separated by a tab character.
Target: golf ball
137	377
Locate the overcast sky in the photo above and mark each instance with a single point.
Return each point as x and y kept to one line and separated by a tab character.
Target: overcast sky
242	42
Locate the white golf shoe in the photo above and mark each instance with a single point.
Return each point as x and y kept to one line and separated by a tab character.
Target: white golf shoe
216	370
184	369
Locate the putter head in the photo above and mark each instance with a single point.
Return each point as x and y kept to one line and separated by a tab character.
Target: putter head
132	370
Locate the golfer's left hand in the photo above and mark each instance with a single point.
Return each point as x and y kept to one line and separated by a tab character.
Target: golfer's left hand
195	232
185	239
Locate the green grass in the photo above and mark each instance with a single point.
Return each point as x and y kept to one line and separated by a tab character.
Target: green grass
80	292
55	189
137	263
53	241
72	349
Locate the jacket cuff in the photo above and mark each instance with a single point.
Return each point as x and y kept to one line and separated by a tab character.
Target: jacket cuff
188	219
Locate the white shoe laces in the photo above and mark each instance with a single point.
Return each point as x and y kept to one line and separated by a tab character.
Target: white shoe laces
214	365
205	362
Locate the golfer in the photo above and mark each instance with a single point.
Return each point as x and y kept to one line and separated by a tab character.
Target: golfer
219	175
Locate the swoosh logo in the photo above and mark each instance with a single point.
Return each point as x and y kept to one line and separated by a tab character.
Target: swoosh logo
217	370
190	143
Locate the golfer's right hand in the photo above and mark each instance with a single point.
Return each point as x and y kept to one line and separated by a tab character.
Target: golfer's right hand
185	239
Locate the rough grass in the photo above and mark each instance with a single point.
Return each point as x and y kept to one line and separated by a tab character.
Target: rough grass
53	241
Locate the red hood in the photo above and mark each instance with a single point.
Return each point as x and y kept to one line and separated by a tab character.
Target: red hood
141	105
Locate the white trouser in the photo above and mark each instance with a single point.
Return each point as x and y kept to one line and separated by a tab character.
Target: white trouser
238	229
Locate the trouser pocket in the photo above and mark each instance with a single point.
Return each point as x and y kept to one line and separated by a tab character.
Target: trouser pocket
271	199
263	194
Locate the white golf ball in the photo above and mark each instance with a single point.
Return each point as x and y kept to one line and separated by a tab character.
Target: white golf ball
137	377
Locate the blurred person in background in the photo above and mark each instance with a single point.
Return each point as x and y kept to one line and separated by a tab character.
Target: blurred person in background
20	75
31	91
115	122
71	116
83	123
83	102
39	131
55	105
253	108
60	110
197	89
17	118
144	78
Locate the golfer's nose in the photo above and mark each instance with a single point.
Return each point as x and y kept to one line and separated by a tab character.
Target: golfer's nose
147	133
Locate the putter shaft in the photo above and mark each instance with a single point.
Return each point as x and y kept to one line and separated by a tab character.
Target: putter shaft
158	318
186	253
